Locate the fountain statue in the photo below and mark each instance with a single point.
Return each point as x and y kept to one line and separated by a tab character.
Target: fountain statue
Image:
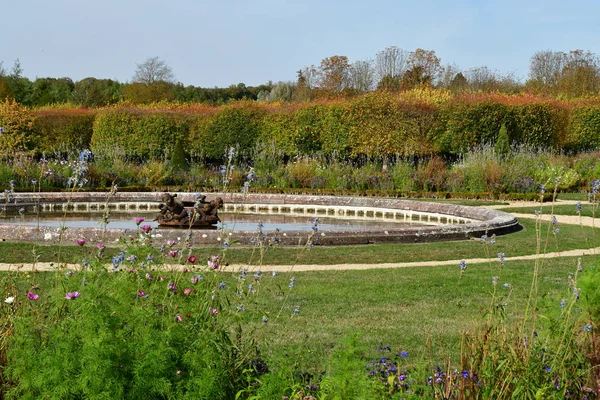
176	213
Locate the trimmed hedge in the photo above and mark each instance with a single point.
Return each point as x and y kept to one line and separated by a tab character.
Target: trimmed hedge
59	132
131	134
584	129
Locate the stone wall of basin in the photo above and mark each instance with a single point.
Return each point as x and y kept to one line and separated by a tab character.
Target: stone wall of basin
449	221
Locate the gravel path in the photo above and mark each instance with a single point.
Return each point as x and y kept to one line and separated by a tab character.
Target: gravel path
562	219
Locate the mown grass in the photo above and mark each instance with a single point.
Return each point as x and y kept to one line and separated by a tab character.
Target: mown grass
587	210
514	244
404	308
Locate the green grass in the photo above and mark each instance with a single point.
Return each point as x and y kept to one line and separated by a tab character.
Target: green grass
402	308
514	244
587	210
573	196
474	203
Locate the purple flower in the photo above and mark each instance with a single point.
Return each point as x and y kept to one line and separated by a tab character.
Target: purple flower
146	228
179	318
72	295
213	262
148	276
187	291
194	280
172	286
32	296
81	241
141	293
171	243
404	354
213	311
100	246
138	220
173	253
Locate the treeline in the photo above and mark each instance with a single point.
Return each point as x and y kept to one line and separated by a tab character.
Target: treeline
563	75
419	123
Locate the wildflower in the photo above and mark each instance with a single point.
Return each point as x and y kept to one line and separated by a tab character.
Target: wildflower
32	296
146	228
465	373
587	328
81	241
9	300
501	258
292	283
172	286
187	291
138	220
213	311
296	310
404	354
192	259
150	258
100	246
494	280
131	259
173	253
274	274
315	224
264	319
178	372
141	294
239	308
72	295
563	302
194	279
171	243
463	266
148	276
179	318
578	206
507	286
222	285
213	262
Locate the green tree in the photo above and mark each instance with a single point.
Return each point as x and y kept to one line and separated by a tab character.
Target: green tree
502	146
334	73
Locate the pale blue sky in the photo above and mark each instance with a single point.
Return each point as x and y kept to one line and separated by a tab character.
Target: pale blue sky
225	42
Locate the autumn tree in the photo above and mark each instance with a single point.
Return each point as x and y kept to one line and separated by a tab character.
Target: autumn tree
423	68
334	73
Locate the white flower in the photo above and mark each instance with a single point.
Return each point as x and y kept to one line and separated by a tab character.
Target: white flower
9	300
47	236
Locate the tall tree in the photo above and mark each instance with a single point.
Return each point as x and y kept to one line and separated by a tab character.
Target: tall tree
333	73
424	67
390	62
307	81
361	76
153	70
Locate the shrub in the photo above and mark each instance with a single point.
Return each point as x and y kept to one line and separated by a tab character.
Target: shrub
17	123
63	131
584	129
236	126
138	135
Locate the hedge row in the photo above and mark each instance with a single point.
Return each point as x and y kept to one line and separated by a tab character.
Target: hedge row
372	125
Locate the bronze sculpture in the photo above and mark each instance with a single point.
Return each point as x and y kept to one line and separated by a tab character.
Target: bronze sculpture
184	214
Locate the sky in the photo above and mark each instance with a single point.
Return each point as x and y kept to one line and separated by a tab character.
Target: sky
223	42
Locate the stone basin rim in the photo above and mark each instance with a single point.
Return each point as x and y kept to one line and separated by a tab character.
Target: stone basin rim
478	221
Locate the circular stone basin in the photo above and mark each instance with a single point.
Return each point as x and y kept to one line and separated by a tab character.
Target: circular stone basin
229	221
395	220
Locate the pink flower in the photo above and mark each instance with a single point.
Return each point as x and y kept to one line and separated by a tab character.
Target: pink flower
173	253
179	318
138	220
192	259
213	262
185	269
72	295
178	372
187	291
32	296
148	276
194	280
100	246
81	241
172	286
213	311
146	228
141	293
171	243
